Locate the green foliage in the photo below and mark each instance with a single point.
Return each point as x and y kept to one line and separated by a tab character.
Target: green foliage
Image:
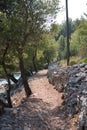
22	25
54	30
74	44
84	60
46	50
61	48
61	37
73	63
83	47
82	32
77	23
50	48
78	38
62	29
49	54
83	28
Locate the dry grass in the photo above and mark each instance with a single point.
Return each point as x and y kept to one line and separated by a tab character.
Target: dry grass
75	59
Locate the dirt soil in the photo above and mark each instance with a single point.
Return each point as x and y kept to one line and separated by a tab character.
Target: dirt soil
43	110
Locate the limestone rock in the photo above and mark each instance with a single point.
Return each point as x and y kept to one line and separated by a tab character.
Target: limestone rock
74	84
57	76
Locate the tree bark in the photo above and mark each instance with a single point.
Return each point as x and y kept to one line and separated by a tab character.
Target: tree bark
12	78
9	87
23	75
33	59
8	80
34	64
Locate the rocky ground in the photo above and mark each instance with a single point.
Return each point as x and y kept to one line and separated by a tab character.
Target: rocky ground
43	110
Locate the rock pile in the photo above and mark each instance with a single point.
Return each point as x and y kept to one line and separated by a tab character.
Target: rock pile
75	95
75	90
32	114
15	88
57	76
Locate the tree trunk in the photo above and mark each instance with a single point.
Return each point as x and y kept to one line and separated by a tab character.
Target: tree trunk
33	60
22	69
8	93
8	80
11	76
9	87
34	64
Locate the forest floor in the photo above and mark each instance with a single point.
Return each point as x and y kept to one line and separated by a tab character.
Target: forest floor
43	110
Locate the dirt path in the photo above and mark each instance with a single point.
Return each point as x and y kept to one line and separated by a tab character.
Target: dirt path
41	111
43	90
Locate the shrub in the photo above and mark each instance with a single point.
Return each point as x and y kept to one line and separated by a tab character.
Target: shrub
73	63
84	60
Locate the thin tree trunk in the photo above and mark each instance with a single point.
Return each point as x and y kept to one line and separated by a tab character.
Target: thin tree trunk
22	69
33	60
8	80
34	64
12	78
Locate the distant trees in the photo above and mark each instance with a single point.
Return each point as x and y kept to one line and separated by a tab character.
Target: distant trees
62	48
50	49
82	32
78	38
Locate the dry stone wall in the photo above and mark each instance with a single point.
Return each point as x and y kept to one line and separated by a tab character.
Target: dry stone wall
57	76
74	84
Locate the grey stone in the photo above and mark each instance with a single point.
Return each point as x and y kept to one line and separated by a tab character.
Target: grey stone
57	76
75	92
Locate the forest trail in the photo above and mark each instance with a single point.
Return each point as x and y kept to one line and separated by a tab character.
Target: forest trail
43	110
43	90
